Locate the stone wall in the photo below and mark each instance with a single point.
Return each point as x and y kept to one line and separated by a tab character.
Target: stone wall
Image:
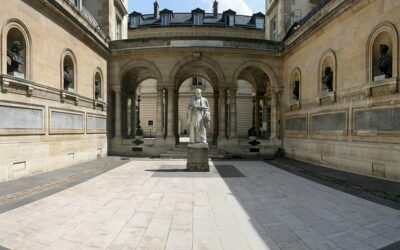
355	127
42	126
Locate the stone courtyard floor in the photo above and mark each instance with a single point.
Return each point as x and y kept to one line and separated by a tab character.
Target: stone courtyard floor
154	204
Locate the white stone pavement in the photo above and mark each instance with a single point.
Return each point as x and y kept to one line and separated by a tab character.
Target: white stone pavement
130	208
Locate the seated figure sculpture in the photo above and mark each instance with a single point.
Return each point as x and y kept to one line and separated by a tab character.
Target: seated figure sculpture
327	80
198	118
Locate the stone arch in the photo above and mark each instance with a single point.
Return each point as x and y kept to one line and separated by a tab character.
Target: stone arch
295	76
261	66
384	32
327	61
68	56
22	28
98	73
206	68
155	72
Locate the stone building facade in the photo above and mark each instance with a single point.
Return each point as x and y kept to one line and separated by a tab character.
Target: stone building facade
53	104
318	79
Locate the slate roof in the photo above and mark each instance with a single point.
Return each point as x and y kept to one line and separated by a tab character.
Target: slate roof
182	19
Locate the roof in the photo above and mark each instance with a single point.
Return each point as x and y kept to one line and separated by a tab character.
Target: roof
297	25
179	19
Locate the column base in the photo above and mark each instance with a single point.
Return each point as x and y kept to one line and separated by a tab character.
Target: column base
198	158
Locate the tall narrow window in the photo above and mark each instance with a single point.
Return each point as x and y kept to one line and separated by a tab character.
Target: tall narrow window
231	20
135	21
118	28
198	19
165	19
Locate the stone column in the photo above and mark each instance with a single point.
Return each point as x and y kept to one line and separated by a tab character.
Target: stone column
118	107
233	121
171	115
216	117
273	114
160	113
257	111
133	115
221	115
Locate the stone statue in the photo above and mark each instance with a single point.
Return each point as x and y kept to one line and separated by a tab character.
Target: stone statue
67	77
296	90
198	118
16	59
384	63
327	79
97	89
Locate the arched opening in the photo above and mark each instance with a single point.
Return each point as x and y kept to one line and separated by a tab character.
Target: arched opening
16	53
382	53
98	85
253	97
138	104
295	86
185	93
189	76
327	73
69	71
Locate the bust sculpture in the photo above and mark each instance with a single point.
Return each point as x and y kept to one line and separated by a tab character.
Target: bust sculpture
97	89
198	118
384	63
67	77
327	80
16	59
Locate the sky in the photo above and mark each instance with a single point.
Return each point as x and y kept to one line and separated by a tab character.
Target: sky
242	7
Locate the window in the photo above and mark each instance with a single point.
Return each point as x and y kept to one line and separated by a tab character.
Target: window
118	28
231	20
197	81
135	21
260	23
165	19
273	29
198	19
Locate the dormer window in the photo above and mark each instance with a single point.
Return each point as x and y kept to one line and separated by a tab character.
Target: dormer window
259	23
166	17
258	20
198	16
134	19
229	17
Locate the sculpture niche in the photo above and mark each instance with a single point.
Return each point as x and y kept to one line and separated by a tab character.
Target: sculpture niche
97	89
15	59
198	121
67	77
384	63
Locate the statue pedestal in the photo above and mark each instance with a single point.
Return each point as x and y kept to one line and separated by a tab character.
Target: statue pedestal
197	160
17	74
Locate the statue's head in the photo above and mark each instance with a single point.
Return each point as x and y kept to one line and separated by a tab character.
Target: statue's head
383	48
328	70
17	46
197	92
67	68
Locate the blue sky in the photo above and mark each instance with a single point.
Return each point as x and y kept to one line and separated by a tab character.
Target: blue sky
244	7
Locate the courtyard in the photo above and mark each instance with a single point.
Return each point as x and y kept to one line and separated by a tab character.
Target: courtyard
119	203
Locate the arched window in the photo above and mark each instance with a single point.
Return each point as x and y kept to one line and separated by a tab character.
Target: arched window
295	85
327	73
68	71
382	53
98	85
17	44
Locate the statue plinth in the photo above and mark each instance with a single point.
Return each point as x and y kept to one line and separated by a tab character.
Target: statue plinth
197	160
17	74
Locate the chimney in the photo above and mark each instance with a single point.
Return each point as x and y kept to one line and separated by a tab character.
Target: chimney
215	9
156	9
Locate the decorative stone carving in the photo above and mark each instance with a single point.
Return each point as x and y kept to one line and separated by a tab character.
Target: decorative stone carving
384	63
15	57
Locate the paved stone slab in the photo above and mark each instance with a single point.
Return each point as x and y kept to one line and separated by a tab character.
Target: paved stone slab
148	204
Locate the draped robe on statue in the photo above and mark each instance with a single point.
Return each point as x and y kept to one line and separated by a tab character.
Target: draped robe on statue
198	119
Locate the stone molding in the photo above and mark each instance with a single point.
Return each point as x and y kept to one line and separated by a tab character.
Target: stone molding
14	85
